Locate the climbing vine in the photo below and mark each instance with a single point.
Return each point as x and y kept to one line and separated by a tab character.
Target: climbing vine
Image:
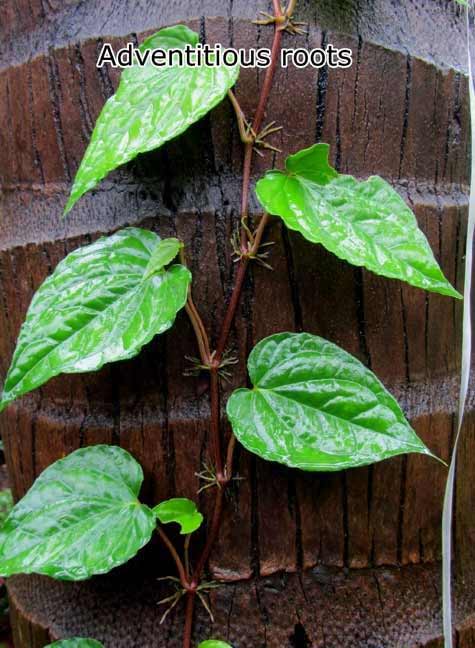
312	405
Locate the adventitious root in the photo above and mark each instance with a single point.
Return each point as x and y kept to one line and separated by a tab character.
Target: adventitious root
285	22
201	592
260	255
259	139
208	475
249	136
197	366
173	600
210	479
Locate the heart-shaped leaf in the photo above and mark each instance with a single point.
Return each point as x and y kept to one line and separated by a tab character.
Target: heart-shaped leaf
366	223
76	642
214	643
180	510
152	105
100	305
316	407
81	517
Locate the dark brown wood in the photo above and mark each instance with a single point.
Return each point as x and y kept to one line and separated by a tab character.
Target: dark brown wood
346	559
383	608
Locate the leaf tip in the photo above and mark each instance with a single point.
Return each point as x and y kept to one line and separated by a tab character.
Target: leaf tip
69	205
449	291
431	454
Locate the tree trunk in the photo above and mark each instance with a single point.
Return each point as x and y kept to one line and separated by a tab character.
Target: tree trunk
345	559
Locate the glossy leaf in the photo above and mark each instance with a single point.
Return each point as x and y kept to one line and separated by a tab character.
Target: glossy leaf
81	517
100	305
6	504
182	511
214	643
316	407
76	642
151	106
164	253
366	223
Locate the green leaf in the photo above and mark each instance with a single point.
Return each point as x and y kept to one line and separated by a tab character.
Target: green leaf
164	253
214	643
101	304
81	517
316	407
76	642
6	504
151	106
180	510
365	223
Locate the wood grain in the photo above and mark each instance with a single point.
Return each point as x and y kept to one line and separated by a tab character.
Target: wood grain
392	114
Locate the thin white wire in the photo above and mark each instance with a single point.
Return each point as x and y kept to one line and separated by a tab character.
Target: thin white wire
464	379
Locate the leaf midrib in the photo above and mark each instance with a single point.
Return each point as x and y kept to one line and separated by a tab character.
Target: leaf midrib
107	502
334	416
350	361
362	235
108	510
102	515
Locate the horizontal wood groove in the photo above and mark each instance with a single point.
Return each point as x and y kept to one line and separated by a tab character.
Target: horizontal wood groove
388	608
29	29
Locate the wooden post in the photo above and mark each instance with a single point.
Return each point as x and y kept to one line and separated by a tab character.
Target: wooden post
348	559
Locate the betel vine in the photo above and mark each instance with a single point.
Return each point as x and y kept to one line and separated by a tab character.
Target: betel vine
312	407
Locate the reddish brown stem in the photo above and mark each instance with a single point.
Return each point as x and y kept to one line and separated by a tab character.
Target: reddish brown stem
179	565
231	310
211	537
218	509
246	182
190	605
197	322
238	285
233	304
277	8
268	79
214	421
256	125
249	247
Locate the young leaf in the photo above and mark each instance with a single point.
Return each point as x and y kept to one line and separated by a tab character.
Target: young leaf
151	106
164	253
101	304
180	510
214	643
81	517
366	223
76	642
316	407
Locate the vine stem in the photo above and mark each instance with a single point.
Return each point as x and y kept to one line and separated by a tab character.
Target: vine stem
256	125
190	605
238	285
277	8
174	554
196	321
249	248
214	420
